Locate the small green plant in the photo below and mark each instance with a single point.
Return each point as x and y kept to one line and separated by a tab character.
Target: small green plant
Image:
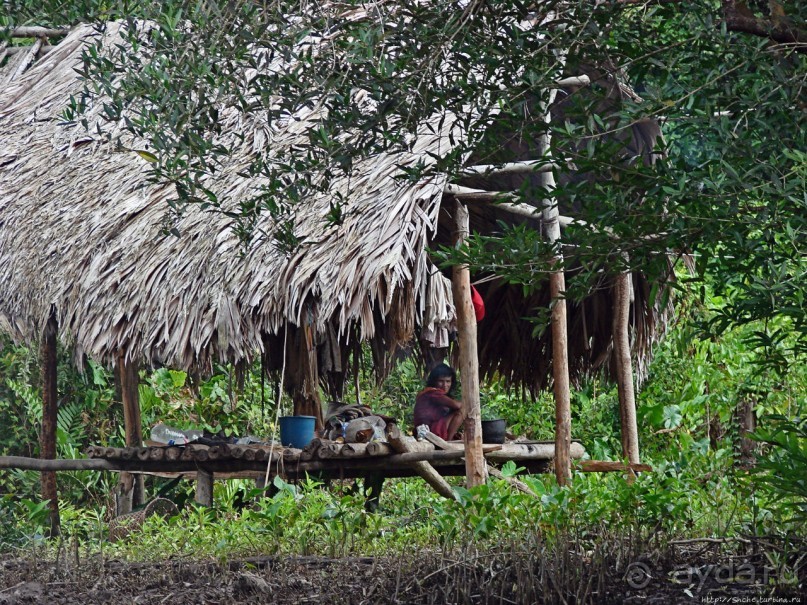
488	414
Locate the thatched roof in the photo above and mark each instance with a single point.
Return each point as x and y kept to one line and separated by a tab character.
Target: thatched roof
81	237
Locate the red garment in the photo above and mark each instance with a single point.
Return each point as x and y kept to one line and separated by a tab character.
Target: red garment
432	409
479	307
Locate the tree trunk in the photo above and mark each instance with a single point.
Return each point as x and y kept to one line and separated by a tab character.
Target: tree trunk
624	368
557	287
50	410
747	424
475	469
560	375
302	375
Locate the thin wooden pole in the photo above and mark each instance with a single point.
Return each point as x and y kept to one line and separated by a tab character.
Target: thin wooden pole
53	465
624	369
33	31
50	410
557	288
508	168
560	372
133	426
29	58
475	468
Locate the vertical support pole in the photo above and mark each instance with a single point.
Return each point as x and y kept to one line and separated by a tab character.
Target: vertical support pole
50	410
557	288
129	379
624	369
475	469
204	487
560	374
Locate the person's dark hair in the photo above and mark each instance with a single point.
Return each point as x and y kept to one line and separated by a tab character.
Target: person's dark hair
442	371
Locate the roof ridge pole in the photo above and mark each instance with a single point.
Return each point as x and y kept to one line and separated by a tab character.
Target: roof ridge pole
50	411
475	470
557	287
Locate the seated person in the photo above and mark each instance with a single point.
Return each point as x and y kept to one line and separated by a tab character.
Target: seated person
434	406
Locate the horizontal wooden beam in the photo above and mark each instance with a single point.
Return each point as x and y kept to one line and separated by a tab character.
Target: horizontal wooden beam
134	464
497	199
573	81
13	50
528	212
607	466
536	166
34	31
532	451
469	194
39	464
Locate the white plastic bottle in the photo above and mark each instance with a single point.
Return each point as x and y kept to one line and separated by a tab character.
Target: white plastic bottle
170	435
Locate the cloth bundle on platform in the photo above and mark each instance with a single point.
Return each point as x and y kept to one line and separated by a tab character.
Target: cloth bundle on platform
365	430
353	423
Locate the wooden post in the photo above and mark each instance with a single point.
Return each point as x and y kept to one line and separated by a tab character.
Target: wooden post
624	369
204	487
129	378
560	374
557	287
421	467
50	410
475	468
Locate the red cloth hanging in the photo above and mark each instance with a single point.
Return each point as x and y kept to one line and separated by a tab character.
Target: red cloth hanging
479	304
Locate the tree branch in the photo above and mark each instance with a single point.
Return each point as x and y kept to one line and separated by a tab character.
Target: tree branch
778	28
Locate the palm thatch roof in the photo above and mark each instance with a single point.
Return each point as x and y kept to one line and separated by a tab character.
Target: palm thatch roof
81	236
82	239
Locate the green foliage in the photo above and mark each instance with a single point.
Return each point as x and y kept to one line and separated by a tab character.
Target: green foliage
396	395
85	416
221	403
19	401
784	469
698	386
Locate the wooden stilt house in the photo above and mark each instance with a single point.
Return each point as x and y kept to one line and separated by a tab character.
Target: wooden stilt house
85	257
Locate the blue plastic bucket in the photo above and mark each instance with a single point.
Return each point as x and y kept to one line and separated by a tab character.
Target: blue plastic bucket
296	431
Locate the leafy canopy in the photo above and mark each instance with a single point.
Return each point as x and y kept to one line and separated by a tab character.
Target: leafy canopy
726	87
